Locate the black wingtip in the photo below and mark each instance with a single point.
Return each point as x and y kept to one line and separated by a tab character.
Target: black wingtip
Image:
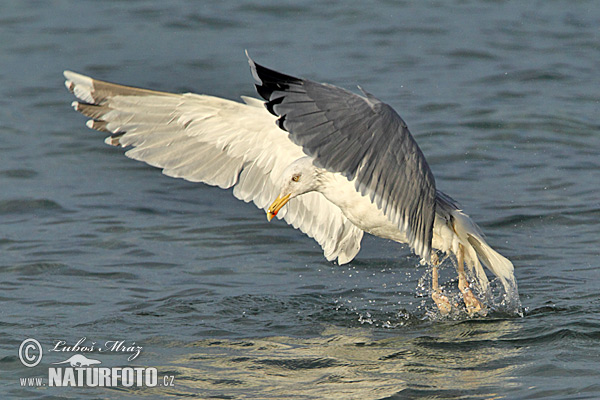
281	122
268	80
272	103
253	68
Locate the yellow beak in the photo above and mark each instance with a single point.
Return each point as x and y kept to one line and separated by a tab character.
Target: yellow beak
276	206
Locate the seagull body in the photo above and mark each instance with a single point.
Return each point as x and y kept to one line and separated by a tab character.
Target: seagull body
337	164
357	208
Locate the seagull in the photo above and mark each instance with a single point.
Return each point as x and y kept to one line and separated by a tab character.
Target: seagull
330	162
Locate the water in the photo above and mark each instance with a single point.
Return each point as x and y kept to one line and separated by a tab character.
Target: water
502	98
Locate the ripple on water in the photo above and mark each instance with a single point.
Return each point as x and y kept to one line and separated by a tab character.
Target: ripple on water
350	364
18	173
30	206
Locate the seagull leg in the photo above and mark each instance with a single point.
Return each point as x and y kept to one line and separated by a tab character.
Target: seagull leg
440	300
473	304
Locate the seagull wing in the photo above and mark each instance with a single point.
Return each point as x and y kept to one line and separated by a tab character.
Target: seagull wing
216	141
362	138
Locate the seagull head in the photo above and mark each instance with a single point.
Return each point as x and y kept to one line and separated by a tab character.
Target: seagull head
298	178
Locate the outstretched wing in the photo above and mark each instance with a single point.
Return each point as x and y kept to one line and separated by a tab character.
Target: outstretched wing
216	141
362	138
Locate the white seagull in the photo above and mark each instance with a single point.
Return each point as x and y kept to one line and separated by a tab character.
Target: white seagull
344	164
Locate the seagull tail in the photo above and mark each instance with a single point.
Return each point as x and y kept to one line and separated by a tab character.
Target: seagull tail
478	250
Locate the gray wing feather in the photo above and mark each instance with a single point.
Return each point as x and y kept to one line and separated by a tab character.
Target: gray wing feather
362	138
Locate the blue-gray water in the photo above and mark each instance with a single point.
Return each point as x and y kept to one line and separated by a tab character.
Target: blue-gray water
502	96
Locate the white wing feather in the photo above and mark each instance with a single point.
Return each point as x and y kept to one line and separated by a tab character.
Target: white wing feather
219	142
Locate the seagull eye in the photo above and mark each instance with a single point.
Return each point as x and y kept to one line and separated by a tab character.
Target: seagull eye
296	178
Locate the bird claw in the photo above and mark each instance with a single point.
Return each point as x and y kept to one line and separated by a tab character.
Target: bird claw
442	302
474	306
